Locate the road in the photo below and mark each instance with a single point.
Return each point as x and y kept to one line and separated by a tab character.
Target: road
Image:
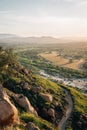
62	123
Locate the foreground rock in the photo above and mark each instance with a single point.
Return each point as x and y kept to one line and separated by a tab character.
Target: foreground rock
24	103
8	112
31	126
47	97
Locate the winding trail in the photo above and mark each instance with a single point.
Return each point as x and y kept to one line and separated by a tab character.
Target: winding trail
63	121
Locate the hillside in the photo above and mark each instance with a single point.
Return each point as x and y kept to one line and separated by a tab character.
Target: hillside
46	98
33	102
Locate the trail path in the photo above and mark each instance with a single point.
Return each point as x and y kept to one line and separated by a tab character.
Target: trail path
62	123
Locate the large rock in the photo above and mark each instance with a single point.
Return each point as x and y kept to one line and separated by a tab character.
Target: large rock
24	103
47	97
8	112
31	126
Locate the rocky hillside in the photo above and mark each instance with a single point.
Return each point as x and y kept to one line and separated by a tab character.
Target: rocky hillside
34	98
28	101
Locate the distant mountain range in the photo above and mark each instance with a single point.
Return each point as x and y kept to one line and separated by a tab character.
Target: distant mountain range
27	40
14	39
7	36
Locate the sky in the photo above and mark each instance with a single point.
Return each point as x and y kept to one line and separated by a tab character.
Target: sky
58	18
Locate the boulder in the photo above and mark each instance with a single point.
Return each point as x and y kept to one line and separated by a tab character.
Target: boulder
24	103
26	86
47	97
37	89
8	112
31	126
51	112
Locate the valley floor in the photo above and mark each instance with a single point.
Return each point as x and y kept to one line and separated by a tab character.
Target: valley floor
56	59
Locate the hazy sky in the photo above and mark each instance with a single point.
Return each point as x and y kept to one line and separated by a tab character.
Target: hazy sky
44	17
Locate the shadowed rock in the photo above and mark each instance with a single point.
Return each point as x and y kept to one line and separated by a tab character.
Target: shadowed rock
24	103
31	126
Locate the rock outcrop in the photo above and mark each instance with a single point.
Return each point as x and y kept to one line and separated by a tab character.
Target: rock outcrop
47	97
24	103
31	126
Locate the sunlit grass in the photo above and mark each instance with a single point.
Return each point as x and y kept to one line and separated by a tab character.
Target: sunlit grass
47	84
42	124
79	100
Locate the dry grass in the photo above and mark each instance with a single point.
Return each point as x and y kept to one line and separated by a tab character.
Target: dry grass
53	57
75	64
61	61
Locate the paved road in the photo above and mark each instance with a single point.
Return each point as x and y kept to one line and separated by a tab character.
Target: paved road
62	123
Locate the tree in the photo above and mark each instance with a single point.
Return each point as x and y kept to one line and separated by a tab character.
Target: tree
11	57
7	57
70	60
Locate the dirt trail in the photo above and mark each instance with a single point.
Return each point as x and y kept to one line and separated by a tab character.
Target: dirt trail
62	123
